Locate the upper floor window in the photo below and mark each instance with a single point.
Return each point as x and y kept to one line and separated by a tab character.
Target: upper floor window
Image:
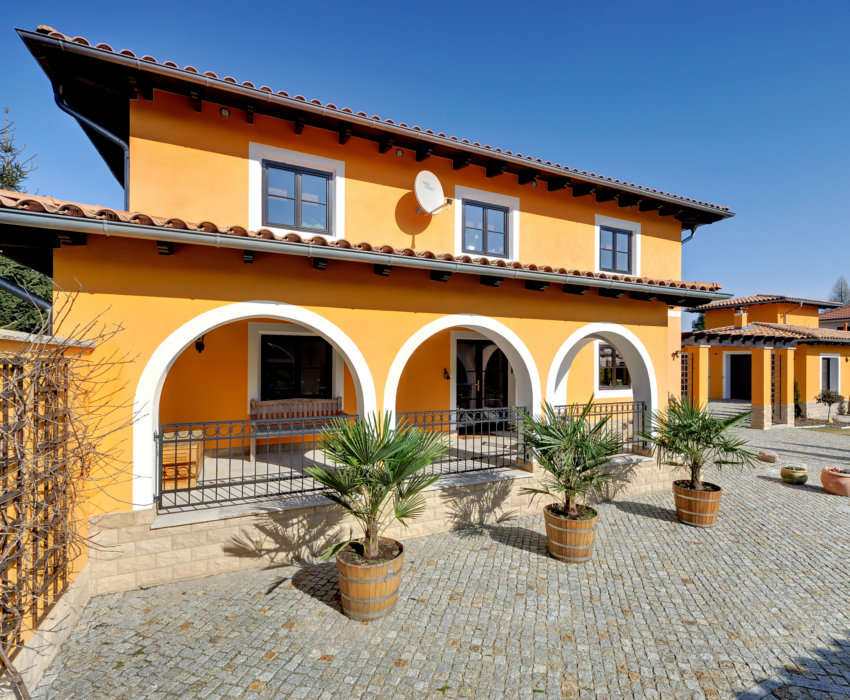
485	229
292	191
297	197
615	249
613	373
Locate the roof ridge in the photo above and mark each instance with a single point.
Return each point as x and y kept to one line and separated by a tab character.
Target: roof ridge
43	204
49	31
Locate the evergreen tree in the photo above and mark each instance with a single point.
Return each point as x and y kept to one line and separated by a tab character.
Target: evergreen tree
698	324
16	313
840	291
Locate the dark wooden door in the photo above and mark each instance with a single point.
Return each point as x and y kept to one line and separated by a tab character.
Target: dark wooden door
740	377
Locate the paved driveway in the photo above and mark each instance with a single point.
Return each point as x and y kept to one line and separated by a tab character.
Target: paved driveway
758	605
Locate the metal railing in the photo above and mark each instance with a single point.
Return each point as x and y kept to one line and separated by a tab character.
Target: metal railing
480	439
626	419
207	464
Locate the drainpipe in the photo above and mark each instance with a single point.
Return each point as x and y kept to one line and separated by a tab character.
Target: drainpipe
21	293
60	102
691	235
785	315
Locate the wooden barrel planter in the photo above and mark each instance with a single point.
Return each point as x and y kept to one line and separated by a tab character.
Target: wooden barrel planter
369	591
569	540
697	508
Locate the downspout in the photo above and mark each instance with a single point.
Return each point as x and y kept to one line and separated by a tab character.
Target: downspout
30	298
785	315
60	102
691	235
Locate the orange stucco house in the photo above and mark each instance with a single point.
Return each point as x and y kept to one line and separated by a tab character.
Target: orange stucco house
755	348
271	268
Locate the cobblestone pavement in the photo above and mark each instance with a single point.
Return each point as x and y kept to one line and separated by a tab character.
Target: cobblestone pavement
757	606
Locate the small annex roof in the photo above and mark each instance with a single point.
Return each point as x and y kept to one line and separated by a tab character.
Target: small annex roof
97	81
45	214
762	299
778	333
840	314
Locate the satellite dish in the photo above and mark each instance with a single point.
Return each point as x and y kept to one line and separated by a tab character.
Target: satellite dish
429	192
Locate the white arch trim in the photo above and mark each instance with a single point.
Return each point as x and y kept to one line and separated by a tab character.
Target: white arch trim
633	351
149	388
528	391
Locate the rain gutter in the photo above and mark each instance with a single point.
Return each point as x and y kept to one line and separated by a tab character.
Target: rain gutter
102	227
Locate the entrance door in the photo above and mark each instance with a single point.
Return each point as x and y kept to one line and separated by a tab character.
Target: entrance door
740	377
482	375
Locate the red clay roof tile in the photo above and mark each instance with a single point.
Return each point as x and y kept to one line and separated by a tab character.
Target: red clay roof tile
49	31
49	205
761	299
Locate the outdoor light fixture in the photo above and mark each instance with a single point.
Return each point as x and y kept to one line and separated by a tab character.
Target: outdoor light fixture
199	344
399	152
224	112
446	374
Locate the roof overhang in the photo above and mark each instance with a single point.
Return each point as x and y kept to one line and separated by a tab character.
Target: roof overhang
41	233
99	84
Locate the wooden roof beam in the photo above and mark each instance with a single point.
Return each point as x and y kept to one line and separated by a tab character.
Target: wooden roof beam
558	183
386	143
528	176
580	189
605	195
424	152
495	168
461	160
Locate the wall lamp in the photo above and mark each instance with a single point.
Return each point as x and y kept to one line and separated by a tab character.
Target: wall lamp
446	374
199	344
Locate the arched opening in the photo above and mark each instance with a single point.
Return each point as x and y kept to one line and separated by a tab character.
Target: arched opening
610	356
235	413
466	375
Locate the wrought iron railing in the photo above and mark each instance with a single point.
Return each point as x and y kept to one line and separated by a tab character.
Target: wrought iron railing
626	419
208	464
480	439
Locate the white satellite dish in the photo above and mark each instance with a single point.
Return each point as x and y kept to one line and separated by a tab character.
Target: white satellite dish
429	192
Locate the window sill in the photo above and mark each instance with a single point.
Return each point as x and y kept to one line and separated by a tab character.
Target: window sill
602	393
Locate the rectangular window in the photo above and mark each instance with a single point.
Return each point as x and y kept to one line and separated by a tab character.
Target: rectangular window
485	229
295	367
829	374
297	198
613	373
615	250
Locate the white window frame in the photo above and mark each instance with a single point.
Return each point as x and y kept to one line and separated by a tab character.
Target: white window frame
255	367
601	392
632	226
836	358
727	376
499	200
258	152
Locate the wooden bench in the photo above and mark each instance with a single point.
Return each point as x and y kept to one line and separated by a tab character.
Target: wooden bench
182	459
292	417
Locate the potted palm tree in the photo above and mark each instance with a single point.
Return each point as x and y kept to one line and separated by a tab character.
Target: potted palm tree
573	452
376	478
688	436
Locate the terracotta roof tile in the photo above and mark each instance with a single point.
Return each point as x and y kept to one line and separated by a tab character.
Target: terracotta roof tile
51	32
836	314
777	330
760	299
50	205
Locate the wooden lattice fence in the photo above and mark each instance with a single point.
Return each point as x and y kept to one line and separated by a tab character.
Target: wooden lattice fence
36	490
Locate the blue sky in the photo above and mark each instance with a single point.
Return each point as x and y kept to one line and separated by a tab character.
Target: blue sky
745	104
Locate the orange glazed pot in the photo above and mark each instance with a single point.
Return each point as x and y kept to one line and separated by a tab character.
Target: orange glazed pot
370	591
697	508
569	540
835	482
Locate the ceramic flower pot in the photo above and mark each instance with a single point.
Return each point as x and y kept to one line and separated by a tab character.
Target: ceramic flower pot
794	475
836	482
